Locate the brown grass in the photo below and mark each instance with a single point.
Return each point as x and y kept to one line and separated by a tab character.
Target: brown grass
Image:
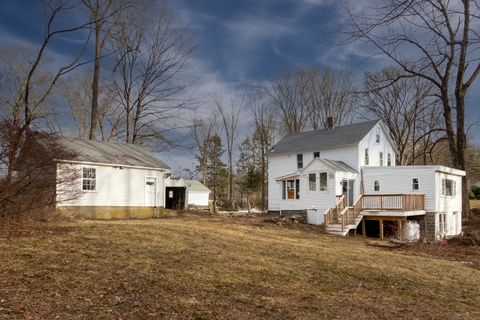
214	268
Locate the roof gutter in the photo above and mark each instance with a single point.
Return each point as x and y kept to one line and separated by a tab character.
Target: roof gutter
110	164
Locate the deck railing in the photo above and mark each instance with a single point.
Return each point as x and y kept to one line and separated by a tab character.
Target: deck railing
394	202
382	202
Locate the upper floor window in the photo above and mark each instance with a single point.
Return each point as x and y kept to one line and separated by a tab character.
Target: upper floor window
366	157
389	159
449	187
312	181
376	185
300	161
415	185
89	179
381	159
323	181
316	154
377	136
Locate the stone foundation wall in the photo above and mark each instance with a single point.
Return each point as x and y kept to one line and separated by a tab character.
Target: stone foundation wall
110	212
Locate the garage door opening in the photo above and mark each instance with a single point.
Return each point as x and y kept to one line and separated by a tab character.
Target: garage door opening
175	198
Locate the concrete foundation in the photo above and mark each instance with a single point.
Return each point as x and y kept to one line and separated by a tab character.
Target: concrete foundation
110	212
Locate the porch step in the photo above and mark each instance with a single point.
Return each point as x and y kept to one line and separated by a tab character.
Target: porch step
336	228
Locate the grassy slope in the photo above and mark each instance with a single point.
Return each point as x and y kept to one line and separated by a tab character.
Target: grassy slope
213	268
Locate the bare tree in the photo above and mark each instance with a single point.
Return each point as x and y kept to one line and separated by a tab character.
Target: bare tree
230	119
290	95
151	51
33	87
409	109
264	117
330	94
202	130
102	13
435	40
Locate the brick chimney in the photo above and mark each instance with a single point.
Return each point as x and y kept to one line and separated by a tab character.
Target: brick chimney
330	123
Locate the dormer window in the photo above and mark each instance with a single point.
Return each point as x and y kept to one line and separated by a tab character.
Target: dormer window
300	161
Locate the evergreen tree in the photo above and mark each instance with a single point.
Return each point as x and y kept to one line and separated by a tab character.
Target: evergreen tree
217	171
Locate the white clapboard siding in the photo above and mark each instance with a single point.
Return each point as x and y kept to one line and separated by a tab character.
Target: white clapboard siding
198	198
115	187
369	142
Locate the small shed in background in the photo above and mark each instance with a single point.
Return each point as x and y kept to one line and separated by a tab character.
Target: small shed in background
198	193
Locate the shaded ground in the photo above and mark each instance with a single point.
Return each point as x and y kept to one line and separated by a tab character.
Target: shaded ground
223	268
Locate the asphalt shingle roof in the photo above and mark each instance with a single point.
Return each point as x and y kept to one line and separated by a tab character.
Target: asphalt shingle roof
111	153
324	138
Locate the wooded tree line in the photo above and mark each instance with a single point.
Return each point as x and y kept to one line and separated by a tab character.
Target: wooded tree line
124	83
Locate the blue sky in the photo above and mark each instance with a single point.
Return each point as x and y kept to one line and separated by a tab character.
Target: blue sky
240	41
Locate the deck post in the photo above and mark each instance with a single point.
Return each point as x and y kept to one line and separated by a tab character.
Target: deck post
400	229
381	229
364	233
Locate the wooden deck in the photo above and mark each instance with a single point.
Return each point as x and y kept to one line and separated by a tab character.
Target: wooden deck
341	214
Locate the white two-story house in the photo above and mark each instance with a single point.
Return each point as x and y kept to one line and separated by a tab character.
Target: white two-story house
348	175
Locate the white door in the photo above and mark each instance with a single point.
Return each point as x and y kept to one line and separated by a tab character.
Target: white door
150	191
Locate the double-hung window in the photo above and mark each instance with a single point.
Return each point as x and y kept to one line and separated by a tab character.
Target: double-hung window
389	159
449	187
376	185
312	181
381	159
300	161
366	157
323	181
415	185
89	179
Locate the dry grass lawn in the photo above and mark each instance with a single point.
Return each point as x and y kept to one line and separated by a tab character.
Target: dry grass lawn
230	268
475	204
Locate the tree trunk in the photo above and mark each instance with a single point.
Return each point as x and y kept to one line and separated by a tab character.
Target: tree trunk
95	85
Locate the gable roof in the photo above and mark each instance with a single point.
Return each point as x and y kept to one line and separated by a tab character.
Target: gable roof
194	185
334	164
324	138
109	153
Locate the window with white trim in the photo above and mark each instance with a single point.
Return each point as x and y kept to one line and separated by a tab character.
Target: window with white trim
300	161
316	154
376	185
89	179
415	185
366	157
449	187
381	159
323	181
312	181
377	137
442	223
389	159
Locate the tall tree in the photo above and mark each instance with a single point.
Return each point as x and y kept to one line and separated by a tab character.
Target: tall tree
101	13
264	118
202	130
435	40
216	168
230	118
151	50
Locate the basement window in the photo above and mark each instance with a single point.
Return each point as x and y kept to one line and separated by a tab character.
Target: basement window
89	179
415	185
376	185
